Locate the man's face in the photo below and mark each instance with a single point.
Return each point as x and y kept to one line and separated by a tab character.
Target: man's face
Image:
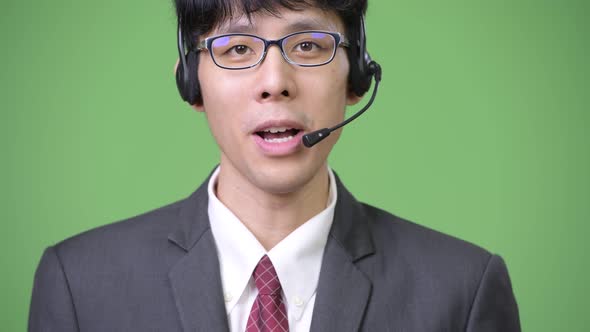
242	106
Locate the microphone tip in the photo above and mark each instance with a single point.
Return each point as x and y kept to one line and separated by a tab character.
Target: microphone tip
315	137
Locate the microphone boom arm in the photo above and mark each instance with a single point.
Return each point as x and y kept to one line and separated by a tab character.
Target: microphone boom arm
317	136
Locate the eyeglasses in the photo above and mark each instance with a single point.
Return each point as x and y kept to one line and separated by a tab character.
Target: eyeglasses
303	48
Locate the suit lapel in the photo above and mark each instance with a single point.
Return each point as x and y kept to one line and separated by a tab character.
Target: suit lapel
343	289
197	289
195	278
342	295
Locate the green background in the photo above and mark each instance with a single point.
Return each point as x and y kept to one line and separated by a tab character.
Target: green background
479	131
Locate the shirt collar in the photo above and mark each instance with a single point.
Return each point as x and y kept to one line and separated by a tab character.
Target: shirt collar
297	258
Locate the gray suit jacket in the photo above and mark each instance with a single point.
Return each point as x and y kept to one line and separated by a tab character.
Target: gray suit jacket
159	272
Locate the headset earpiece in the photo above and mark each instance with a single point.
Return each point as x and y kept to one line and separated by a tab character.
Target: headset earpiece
181	81
361	65
187	80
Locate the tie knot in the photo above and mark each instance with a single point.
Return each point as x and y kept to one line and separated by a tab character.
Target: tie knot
265	278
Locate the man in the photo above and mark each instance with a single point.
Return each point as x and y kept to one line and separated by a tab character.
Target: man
272	240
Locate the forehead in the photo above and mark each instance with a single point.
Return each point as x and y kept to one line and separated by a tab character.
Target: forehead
282	21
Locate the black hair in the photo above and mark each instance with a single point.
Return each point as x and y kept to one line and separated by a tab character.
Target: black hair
198	17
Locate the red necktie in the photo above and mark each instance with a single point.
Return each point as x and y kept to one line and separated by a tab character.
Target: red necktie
268	312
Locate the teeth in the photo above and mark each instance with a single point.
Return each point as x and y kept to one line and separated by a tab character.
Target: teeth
278	140
275	130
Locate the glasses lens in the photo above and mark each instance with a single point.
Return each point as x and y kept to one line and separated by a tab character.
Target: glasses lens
237	51
310	48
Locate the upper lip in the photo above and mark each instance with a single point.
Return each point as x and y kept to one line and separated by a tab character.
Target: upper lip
277	123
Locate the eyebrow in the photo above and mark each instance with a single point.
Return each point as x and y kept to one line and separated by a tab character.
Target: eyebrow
244	26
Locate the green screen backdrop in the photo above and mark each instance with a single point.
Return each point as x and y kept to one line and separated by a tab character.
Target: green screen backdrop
480	130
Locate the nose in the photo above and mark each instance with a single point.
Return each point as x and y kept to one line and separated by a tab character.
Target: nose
275	77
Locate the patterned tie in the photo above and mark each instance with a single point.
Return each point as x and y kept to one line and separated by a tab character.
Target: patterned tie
268	312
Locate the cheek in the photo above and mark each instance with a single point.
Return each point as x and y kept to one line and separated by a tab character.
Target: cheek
335	78
326	92
216	89
222	112
223	97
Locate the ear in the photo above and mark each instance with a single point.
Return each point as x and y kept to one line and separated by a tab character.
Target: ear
352	98
198	107
176	66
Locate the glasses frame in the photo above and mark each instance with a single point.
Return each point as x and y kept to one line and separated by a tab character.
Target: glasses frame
206	43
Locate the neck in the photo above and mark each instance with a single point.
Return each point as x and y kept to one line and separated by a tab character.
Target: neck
271	216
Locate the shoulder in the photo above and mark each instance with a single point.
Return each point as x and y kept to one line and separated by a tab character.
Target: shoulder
423	250
419	237
137	239
437	278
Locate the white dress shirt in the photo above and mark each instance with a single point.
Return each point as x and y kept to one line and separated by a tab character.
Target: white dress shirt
297	260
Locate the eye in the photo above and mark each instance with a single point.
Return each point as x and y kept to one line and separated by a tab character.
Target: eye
239	49
306	46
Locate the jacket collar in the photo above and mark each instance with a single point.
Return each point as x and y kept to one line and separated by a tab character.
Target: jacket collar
193	218
344	289
196	277
350	228
352	235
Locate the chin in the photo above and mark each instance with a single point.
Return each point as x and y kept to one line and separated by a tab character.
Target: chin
280	180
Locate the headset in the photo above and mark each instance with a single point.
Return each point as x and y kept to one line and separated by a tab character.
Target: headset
362	70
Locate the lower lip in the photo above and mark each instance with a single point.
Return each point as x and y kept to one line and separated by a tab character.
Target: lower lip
279	149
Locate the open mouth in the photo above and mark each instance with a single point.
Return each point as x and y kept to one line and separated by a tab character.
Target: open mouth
278	134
